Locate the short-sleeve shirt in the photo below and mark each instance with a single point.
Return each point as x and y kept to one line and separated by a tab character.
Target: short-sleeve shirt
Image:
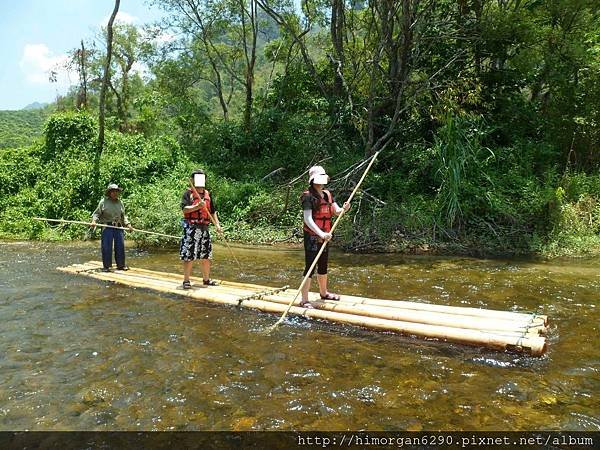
310	201
110	211
186	200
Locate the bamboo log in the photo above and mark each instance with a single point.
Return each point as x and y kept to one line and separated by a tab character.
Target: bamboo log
409	311
535	345
353	300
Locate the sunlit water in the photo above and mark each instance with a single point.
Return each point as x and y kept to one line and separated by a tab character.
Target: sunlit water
80	354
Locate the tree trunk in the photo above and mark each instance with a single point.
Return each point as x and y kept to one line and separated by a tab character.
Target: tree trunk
103	89
250	57
337	42
82	100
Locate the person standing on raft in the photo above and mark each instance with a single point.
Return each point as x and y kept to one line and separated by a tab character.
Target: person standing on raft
318	207
111	211
198	211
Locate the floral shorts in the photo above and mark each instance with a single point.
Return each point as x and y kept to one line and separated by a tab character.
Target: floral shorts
195	243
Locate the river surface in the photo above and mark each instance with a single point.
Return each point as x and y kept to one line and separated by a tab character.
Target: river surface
81	354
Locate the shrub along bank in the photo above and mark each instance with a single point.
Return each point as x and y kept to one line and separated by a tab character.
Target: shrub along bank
455	196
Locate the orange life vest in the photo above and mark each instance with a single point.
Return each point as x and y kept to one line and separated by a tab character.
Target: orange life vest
200	216
323	213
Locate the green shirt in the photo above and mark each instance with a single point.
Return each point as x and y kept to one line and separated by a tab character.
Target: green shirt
110	211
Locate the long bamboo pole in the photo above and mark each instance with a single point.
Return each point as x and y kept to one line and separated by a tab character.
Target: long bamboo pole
314	263
78	222
212	219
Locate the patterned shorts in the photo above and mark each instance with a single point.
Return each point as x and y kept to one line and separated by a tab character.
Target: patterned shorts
195	243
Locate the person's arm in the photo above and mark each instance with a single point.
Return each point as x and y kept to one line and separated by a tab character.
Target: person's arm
213	212
97	213
187	205
337	210
310	223
125	219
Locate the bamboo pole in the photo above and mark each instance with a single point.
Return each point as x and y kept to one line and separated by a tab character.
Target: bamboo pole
78	222
504	341
212	219
315	261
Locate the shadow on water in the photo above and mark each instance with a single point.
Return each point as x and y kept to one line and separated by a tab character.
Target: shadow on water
80	354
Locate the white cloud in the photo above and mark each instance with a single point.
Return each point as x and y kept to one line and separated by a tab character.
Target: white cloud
38	60
141	69
165	37
122	17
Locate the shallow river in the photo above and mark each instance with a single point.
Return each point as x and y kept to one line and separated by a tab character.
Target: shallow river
80	354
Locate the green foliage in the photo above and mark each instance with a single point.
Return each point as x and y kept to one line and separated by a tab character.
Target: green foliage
18	169
69	134
20	128
461	169
495	148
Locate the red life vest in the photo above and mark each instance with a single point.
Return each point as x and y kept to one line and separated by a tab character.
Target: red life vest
323	213
200	216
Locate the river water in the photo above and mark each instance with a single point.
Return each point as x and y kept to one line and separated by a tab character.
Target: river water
81	354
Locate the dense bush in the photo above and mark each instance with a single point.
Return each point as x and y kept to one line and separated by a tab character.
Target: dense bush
21	128
69	134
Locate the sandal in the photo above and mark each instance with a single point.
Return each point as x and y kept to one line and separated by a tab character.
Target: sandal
187	285
209	283
330	296
307	305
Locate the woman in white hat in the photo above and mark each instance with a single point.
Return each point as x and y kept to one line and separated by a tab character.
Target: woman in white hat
319	207
111	211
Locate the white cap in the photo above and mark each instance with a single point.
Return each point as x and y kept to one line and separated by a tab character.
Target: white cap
317	175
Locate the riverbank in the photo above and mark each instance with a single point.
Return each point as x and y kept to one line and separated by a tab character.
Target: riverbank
291	237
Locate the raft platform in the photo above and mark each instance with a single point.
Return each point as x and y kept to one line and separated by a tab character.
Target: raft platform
502	330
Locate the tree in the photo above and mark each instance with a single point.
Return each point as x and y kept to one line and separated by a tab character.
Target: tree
105	84
223	33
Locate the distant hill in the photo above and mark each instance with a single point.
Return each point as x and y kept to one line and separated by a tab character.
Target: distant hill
21	128
36	105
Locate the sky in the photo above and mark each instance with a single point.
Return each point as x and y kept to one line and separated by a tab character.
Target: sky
35	35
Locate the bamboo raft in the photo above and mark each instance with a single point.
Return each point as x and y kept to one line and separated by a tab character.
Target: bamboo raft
503	330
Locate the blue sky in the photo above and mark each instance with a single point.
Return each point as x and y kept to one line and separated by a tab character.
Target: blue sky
36	34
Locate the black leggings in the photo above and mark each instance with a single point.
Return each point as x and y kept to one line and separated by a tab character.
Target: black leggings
311	248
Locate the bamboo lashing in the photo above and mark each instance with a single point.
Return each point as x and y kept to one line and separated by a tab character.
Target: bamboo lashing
228	293
316	260
212	219
101	225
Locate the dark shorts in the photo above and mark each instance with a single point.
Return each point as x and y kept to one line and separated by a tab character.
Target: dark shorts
312	245
195	243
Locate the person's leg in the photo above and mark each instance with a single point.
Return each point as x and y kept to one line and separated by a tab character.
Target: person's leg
206	269
305	291
187	270
205	256
119	248
322	277
186	254
310	252
106	247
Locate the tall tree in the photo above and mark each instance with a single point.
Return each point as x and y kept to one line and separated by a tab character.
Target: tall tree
126	52
105	85
227	31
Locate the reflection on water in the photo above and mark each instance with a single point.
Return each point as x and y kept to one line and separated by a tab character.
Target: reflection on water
79	354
